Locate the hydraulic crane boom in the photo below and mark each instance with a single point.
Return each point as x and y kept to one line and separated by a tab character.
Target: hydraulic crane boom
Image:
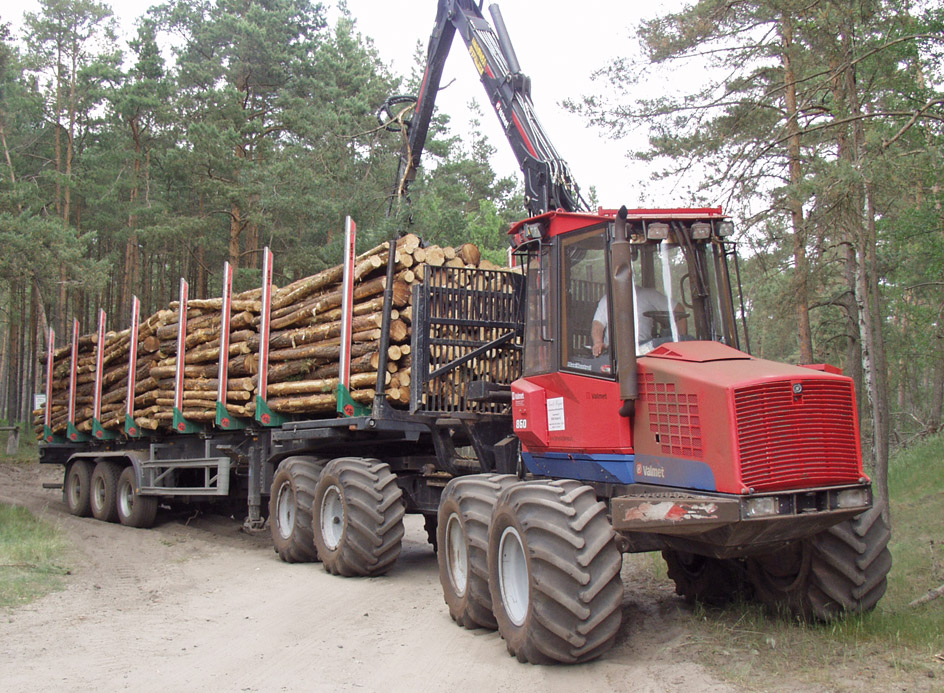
548	182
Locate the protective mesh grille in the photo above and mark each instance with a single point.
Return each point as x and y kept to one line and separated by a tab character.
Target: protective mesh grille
468	326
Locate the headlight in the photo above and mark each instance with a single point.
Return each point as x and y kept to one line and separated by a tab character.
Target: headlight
726	228
701	230
852	498
761	507
657	231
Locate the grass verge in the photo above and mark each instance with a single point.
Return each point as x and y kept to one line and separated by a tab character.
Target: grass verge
31	557
897	646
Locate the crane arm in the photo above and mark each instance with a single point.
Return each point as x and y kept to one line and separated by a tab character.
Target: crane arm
548	182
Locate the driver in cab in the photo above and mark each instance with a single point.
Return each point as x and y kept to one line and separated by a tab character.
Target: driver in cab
647	301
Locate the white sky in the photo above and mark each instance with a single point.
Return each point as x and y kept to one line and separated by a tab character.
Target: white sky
558	43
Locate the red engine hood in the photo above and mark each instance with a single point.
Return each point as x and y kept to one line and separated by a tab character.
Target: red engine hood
759	424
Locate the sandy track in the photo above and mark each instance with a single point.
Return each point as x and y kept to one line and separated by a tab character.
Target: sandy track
199	605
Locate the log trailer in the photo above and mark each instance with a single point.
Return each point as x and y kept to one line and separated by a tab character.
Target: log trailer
536	458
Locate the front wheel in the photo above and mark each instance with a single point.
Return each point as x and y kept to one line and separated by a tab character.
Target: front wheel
465	512
703	579
840	571
357	517
134	510
554	572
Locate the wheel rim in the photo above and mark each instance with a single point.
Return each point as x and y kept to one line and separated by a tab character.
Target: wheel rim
98	492
457	554
513	576
285	506
332	517
75	488
125	499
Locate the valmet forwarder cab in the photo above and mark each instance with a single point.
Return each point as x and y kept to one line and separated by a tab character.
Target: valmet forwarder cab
670	401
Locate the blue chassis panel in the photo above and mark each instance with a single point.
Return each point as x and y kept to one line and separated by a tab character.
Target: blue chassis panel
622	469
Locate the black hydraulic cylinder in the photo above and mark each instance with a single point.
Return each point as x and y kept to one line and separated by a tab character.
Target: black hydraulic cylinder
504	40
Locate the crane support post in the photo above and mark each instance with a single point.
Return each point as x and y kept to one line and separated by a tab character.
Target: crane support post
264	414
48	435
98	431
132	429
181	423
72	432
224	419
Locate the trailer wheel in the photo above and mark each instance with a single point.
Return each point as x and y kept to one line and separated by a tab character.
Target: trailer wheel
134	510
357	517
840	571
290	502
703	579
77	488
104	491
554	572
465	512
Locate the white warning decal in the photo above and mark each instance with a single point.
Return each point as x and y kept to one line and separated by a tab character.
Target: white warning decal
555	414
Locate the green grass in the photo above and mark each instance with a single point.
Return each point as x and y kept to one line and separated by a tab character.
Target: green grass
894	643
31	557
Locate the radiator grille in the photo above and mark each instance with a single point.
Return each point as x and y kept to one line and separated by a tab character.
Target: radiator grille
787	441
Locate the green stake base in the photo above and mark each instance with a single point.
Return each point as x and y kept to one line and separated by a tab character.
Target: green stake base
52	438
266	416
227	421
183	425
133	430
347	406
100	433
75	435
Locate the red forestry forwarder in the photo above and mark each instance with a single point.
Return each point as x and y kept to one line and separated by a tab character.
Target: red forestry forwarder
642	424
598	403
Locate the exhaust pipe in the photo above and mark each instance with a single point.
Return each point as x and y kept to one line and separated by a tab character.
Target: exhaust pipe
623	335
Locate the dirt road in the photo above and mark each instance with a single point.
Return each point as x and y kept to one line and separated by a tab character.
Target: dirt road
196	604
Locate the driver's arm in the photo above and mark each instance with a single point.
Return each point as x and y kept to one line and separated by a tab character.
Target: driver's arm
596	337
682	322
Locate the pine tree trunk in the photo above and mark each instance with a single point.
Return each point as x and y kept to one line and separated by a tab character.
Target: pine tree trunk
801	265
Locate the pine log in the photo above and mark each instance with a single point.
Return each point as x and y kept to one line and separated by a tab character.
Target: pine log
469	253
324	385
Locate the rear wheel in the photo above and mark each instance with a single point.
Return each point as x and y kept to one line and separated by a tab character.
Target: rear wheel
104	491
77	488
697	578
290	503
465	512
554	572
134	510
357	517
840	571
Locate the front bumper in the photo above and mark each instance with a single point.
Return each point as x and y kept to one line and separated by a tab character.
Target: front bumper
731	524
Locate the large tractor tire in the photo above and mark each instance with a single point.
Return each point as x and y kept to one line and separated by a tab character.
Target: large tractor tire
104	491
554	572
840	571
358	517
134	510
77	488
290	502
702	579
465	512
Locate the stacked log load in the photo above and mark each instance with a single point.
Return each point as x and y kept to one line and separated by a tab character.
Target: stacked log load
304	348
